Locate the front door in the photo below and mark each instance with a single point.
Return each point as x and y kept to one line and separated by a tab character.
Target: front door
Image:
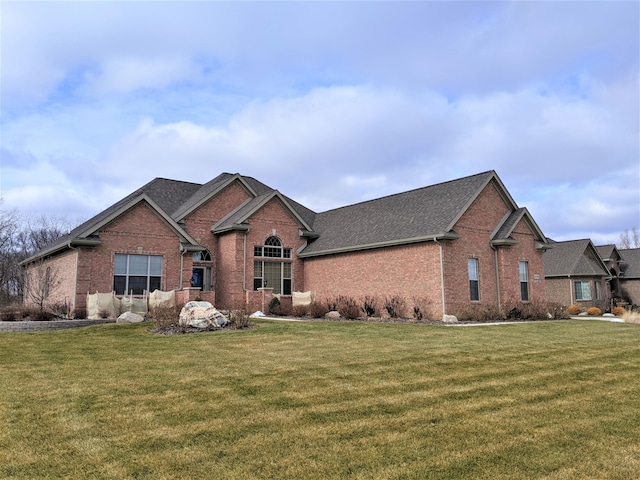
197	278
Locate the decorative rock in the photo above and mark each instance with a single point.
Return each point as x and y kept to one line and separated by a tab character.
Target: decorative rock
201	315
332	314
583	314
130	317
449	319
608	315
257	314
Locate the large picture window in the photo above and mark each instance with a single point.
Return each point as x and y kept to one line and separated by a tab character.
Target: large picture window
136	274
524	281
474	283
267	273
583	291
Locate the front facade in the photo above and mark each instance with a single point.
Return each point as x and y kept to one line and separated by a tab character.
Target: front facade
453	245
577	275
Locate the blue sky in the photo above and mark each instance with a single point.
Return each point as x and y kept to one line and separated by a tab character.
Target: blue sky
331	103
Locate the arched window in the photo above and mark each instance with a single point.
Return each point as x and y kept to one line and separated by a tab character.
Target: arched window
272	248
201	276
276	275
204	256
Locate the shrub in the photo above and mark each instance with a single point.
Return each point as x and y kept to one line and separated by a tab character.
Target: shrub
594	312
60	309
348	307
573	310
395	306
274	306
618	311
9	315
165	316
369	306
332	303
240	318
80	313
421	309
479	313
318	310
300	310
42	316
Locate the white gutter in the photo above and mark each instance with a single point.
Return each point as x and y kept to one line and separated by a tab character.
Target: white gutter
495	251
444	308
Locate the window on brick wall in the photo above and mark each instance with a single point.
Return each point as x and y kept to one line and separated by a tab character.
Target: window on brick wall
598	290
474	283
524	281
267	273
583	291
136	274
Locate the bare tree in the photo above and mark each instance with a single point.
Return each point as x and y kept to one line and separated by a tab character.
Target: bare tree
630	239
9	269
40	282
20	240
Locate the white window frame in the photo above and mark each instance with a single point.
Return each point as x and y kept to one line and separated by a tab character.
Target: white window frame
153	270
583	290
523	268
473	268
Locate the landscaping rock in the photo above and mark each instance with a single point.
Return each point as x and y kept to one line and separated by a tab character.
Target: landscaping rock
130	317
201	315
608	315
333	314
449	319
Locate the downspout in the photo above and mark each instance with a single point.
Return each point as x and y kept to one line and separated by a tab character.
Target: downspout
75	281
182	267
244	262
495	252
444	308
570	291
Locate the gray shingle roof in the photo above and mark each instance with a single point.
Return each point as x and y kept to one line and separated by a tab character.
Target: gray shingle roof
631	257
575	258
401	218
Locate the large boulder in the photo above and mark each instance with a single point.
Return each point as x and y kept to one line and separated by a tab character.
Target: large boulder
201	315
449	319
130	317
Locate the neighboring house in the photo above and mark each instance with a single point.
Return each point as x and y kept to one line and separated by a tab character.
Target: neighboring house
454	245
614	262
576	274
630	275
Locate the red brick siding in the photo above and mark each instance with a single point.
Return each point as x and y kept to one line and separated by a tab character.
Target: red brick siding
559	290
412	271
138	231
198	224
510	258
631	287
231	258
563	291
475	227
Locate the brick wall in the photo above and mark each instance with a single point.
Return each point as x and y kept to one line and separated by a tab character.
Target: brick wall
231	279
632	289
63	268
559	290
138	231
410	271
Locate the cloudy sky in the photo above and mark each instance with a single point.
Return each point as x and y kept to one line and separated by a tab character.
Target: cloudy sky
331	103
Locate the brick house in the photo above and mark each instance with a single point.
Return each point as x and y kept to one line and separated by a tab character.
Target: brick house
629	277
455	244
576	274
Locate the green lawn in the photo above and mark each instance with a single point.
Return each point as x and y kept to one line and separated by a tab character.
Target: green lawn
553	400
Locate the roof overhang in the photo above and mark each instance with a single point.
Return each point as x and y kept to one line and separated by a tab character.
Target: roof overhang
92	241
388	244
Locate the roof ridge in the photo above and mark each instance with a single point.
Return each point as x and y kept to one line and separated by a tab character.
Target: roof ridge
417	189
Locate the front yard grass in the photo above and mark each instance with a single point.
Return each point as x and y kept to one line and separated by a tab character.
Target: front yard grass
553	400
